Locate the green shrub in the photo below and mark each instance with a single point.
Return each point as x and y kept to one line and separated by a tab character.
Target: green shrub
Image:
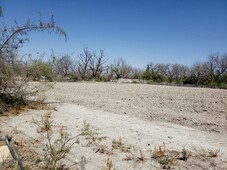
38	69
223	85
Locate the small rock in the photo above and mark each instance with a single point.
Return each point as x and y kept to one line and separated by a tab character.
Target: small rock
77	161
4	153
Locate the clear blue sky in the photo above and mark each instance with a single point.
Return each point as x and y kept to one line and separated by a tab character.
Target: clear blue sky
140	31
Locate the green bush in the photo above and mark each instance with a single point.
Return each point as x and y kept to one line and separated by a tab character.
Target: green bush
223	85
213	84
146	75
38	69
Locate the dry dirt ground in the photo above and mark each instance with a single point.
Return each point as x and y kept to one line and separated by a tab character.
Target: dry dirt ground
142	117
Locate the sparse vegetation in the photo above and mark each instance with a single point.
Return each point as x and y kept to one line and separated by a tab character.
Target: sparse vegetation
13	91
86	130
108	164
202	153
57	148
18	91
168	158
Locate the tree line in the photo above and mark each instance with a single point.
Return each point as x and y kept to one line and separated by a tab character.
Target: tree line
90	65
212	72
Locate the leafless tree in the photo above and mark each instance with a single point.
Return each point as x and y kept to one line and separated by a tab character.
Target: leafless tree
63	65
121	69
175	71
108	73
216	66
97	64
162	69
83	63
212	66
199	73
136	73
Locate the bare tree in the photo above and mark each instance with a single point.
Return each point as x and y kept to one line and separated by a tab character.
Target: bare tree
162	70
212	66
108	73
175	72
121	69
136	73
83	63
156	72
97	64
199	73
63	65
221	67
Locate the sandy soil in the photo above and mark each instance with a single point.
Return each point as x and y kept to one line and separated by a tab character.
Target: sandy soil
143	116
200	108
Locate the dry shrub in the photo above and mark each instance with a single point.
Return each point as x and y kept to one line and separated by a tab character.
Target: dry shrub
104	150
184	155
17	96
55	150
129	157
141	157
202	153
168	158
108	164
118	144
158	153
86	130
213	153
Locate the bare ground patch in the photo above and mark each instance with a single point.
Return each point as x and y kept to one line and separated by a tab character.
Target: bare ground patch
128	128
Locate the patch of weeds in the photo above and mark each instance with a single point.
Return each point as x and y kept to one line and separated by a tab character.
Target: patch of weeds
86	129
141	157
213	153
98	138
202	153
158	153
108	164
55	150
184	155
129	157
104	150
90	135
117	144
168	158
132	157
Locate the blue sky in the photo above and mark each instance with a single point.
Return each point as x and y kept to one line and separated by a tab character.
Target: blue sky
140	31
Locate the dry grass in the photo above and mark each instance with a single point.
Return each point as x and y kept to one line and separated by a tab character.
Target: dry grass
108	164
118	144
168	158
104	150
56	149
202	153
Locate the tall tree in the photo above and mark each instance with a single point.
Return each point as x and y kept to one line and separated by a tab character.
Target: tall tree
97	64
83	63
121	69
